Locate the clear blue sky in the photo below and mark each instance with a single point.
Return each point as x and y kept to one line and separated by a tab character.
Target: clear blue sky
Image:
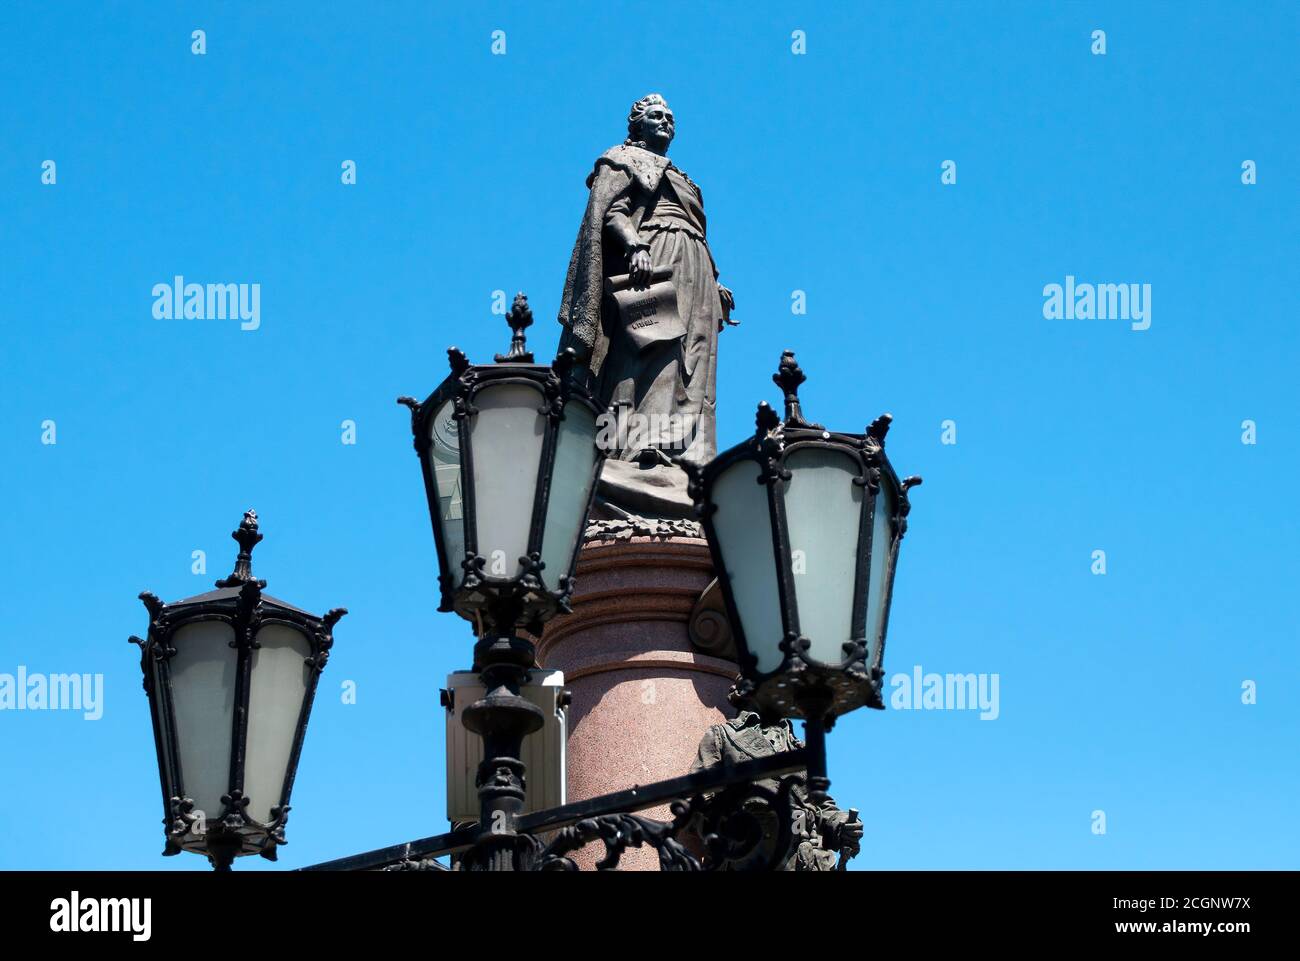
820	173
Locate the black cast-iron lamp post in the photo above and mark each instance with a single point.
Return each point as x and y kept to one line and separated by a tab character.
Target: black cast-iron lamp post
509	457
230	677
804	525
794	502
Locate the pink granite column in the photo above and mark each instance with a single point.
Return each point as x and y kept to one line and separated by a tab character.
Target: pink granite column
643	694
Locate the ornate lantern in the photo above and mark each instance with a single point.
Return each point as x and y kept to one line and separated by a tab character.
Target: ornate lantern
510	463
804	525
230	677
510	460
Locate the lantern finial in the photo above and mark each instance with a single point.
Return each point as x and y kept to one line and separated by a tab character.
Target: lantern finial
789	375
247	536
519	319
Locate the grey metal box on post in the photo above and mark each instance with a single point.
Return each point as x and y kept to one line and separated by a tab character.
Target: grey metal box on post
543	751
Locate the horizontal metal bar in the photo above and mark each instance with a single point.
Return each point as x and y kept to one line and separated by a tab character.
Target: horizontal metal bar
652	795
633	799
412	850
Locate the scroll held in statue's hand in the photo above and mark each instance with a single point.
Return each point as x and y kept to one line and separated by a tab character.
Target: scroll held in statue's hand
648	314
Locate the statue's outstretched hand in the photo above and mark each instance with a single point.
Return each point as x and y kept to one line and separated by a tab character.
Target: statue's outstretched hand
728	305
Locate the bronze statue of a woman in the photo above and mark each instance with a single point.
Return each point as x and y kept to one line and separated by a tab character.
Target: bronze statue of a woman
649	353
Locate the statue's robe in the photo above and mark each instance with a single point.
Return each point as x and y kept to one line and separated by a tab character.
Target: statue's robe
639	198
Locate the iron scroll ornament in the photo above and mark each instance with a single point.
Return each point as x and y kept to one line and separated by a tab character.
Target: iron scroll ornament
744	827
714	805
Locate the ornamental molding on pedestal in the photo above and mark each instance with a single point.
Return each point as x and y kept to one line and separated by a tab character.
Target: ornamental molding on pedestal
634	579
610	545
709	628
624	529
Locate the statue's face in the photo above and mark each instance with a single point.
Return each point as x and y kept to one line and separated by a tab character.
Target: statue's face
657	126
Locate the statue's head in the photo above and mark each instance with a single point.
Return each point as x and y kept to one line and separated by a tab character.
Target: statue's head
651	122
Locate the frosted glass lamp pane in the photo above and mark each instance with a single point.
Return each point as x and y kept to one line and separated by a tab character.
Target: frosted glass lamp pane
444	461
506	437
566	514
279	683
882	539
743	528
823	512
203	699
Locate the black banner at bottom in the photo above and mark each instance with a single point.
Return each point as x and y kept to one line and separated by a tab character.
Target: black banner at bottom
185	909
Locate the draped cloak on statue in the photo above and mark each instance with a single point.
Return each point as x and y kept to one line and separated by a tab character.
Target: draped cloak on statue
638	197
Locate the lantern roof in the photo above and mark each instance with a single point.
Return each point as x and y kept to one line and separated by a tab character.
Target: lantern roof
232	594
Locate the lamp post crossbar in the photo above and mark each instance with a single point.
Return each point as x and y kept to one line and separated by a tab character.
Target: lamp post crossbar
632	799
